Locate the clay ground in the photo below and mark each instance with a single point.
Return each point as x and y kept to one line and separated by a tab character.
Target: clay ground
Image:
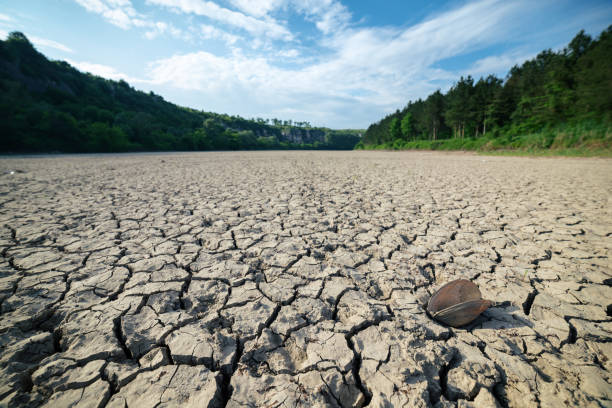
288	279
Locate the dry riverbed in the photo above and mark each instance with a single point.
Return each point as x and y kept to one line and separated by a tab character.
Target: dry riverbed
300	278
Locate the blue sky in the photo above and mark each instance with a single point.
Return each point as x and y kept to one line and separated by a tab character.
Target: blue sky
341	64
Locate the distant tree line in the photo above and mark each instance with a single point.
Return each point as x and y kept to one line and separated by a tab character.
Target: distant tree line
49	106
570	86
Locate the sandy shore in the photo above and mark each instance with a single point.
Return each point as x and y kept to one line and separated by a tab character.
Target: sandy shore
299	279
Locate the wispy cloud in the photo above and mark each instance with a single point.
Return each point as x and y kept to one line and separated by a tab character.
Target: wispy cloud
290	53
328	15
212	32
262	27
122	14
258	8
44	42
104	71
158	28
498	64
4	17
117	12
254	17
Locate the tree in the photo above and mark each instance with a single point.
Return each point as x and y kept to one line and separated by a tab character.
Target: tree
459	113
419	119
434	111
482	99
504	103
406	126
103	138
579	45
395	130
17	36
594	78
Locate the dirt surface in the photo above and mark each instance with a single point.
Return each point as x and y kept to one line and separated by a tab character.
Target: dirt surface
288	279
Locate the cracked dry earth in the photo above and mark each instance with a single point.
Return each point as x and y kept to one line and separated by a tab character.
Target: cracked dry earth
284	279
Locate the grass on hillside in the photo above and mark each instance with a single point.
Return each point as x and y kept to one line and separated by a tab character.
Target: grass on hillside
584	139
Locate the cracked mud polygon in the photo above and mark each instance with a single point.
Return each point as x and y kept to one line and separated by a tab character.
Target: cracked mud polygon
288	279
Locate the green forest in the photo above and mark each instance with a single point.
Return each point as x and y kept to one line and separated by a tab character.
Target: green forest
558	101
49	106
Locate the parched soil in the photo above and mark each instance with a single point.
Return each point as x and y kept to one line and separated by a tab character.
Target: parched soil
286	279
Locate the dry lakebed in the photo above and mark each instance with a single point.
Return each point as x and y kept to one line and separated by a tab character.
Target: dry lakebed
300	279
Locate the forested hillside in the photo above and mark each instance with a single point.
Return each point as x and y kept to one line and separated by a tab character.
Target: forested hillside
49	106
556	100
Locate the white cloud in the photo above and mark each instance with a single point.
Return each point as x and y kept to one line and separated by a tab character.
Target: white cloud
265	27
292	53
117	12
440	37
122	14
374	70
44	42
205	72
253	16
4	17
329	15
213	33
104	71
158	28
258	8
498	64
